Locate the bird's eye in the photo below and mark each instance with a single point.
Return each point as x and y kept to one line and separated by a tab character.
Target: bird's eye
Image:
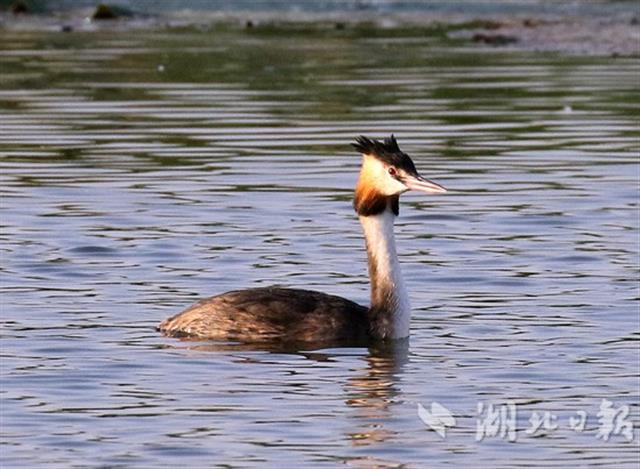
392	171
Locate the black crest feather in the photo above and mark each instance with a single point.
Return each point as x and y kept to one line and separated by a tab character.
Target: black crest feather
387	151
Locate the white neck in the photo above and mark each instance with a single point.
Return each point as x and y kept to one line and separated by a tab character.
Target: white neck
390	311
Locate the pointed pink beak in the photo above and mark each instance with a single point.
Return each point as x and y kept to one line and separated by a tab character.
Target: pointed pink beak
418	183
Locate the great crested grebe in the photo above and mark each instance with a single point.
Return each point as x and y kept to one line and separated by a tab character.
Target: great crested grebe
286	314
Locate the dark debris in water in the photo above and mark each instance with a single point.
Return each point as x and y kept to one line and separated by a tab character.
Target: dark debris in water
494	39
110	12
20	7
104	12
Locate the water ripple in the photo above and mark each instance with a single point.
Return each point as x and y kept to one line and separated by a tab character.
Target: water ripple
128	193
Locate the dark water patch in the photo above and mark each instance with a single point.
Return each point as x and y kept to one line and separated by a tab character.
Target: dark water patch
92	250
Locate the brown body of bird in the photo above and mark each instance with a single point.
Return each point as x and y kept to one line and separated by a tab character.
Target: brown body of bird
295	315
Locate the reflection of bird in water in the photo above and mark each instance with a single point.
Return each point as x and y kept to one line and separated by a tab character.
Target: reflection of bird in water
370	388
284	314
371	392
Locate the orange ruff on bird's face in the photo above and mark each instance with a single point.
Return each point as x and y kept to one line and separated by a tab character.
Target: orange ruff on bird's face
376	187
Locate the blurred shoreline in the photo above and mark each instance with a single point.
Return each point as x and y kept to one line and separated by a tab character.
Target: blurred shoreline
574	28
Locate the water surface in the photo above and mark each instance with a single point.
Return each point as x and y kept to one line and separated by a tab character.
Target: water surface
141	172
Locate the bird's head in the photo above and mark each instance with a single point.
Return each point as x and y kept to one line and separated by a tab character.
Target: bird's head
386	173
